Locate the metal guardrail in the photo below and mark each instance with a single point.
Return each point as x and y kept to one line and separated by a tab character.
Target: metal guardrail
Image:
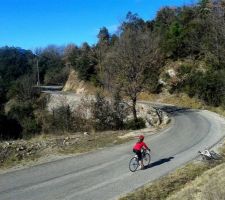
49	88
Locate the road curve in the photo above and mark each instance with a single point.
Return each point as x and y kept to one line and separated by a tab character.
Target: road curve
104	174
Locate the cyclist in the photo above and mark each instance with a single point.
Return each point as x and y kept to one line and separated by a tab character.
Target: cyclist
137	149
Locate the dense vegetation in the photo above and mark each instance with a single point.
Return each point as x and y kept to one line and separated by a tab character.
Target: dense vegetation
18	96
128	62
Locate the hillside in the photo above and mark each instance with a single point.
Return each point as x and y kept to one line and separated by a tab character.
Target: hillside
210	185
77	86
176	58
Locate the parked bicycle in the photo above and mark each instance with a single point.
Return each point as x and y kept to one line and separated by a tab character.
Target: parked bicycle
134	163
207	155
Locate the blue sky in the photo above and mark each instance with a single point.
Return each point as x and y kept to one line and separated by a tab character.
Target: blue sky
38	23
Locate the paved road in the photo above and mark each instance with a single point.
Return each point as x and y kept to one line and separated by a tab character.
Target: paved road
104	174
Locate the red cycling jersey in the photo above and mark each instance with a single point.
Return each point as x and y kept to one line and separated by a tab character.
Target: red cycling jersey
138	146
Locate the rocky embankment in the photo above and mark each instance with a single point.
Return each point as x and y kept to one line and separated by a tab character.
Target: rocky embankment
16	151
153	116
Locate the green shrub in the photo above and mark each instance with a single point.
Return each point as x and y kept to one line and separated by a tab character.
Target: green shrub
56	76
23	112
135	125
109	114
9	128
62	118
102	113
207	86
30	127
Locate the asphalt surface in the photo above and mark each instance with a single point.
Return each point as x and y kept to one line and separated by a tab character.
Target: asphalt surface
104	174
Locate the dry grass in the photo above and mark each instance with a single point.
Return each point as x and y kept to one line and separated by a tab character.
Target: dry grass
181	100
218	110
149	97
13	161
95	141
209	186
169	184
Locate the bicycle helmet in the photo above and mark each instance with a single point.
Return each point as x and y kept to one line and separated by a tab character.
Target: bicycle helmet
141	137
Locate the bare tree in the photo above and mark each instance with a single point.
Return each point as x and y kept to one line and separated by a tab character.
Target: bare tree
101	48
134	55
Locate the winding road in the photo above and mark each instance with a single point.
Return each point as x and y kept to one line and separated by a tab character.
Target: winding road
104	174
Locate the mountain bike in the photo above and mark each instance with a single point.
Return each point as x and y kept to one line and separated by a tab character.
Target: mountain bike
134	163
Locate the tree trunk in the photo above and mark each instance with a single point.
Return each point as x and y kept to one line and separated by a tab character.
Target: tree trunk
134	101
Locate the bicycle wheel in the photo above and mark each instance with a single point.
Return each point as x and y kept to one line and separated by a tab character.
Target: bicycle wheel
146	159
133	165
215	155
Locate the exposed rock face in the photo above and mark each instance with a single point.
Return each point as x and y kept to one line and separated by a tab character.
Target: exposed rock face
77	86
153	116
74	84
64	99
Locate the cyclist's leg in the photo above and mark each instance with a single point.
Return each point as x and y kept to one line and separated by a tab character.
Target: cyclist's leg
140	160
141	163
138	153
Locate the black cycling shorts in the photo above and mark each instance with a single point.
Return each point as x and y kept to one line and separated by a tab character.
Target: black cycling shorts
138	153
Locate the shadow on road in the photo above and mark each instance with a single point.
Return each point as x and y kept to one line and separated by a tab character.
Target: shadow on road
173	110
159	162
170	109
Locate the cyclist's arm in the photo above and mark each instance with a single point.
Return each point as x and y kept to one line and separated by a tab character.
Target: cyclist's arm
146	147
